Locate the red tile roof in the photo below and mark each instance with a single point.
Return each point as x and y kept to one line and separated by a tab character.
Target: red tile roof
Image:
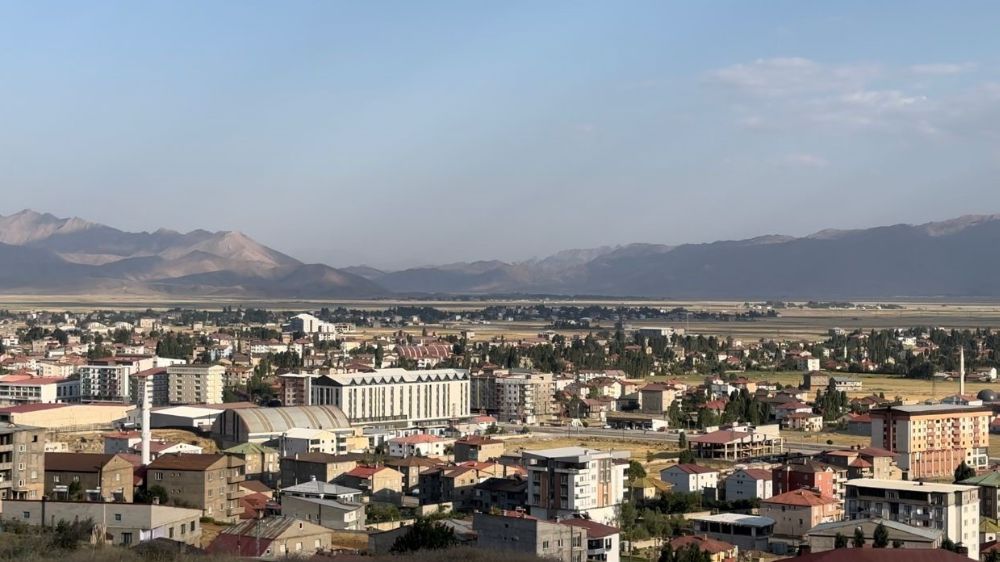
594	529
693	468
881	555
801	498
703	544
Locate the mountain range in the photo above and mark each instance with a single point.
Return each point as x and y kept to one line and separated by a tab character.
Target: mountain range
43	254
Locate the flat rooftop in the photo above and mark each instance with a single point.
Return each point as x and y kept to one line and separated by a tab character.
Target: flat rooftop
909	485
736	519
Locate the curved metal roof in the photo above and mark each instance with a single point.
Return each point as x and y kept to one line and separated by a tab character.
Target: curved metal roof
279	420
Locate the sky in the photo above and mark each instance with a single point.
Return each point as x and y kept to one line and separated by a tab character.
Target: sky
405	133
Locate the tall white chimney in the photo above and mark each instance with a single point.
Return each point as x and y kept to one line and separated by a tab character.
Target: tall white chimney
147	433
961	371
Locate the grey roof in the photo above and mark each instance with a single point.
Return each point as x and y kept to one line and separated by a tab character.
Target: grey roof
926	408
736	519
335	504
850	525
318	487
279	420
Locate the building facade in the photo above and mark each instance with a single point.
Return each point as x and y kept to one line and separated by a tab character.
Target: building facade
932	440
573	480
196	384
950	508
396	395
208	482
22	462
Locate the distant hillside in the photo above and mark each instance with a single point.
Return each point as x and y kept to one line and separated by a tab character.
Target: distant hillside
955	258
43	254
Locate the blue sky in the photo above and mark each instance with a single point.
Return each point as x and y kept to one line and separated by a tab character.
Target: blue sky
404	133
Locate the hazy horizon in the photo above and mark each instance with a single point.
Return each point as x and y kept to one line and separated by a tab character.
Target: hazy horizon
397	134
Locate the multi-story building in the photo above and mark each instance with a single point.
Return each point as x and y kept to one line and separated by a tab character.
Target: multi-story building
518	532
300	440
329	512
749	484
866	462
796	474
107	380
656	398
796	512
419	445
90	476
260	462
196	384
24	389
158	386
688	478
478	448
573	480
208	482
396	395
22	462
932	440
513	396
989	493
738	443
272	538
296	388
315	466
951	508
524	396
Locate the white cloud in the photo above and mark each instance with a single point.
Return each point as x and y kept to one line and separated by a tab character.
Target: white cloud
943	68
793	93
803	160
787	76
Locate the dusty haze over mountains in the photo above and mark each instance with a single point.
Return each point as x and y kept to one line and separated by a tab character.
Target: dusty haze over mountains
955	258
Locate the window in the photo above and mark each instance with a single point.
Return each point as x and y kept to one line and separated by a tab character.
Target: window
170	532
158	475
55	478
192	526
26	515
126	538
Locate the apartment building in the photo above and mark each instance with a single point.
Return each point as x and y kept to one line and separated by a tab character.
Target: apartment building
749	484
208	482
396	395
573	480
296	389
315	466
22	462
524	397
419	445
518	532
107	380
26	389
89	476
513	396
196	384
158	389
932	440
260	462
478	448
656	398
797	474
795	512
688	478
951	508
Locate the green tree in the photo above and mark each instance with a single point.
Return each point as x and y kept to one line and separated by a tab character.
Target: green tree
686	457
859	538
635	470
899	544
839	541
425	535
682	440
992	556
378	512
690	553
880	538
949	545
964	472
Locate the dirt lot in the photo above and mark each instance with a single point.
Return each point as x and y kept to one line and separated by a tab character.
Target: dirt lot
93	442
